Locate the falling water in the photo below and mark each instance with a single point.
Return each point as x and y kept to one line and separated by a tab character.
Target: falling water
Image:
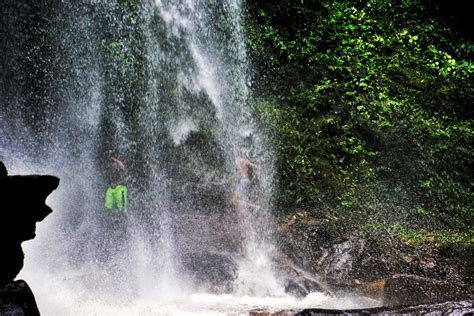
163	85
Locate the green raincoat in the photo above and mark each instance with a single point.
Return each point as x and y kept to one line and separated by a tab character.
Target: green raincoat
116	198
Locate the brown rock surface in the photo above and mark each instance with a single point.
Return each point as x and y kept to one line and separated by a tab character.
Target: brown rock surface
406	289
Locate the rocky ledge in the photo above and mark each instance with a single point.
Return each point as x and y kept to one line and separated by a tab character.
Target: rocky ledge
448	308
376	264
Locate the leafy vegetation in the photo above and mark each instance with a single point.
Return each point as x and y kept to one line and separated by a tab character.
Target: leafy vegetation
416	237
124	66
372	105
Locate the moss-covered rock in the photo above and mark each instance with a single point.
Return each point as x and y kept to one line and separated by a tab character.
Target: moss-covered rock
364	261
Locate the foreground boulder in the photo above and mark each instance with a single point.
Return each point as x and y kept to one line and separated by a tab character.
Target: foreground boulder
22	204
16	298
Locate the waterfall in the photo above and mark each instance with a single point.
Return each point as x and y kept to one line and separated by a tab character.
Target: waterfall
206	54
164	87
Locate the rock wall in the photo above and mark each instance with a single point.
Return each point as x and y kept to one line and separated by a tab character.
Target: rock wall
372	264
22	205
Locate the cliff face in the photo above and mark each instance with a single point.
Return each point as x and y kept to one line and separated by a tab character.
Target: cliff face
22	204
377	264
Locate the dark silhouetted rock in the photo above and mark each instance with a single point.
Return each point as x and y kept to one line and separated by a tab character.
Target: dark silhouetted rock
16	298
22	204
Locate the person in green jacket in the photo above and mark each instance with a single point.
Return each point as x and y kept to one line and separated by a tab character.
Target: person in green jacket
116	195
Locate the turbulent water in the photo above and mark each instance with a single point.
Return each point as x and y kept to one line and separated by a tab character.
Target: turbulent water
163	86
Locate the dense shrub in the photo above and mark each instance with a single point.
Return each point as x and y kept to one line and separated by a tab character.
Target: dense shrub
370	102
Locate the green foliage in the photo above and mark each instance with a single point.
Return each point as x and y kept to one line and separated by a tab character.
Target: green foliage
414	237
121	27
121	52
371	102
124	40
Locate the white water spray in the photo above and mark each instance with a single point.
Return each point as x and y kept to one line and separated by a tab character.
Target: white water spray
183	249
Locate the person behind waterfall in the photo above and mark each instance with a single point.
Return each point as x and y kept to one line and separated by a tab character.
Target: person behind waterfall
241	196
116	195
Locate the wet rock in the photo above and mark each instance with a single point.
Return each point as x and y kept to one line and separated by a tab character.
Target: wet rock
356	263
372	289
380	257
362	257
296	281
337	261
284	313
354	257
299	283
456	261
448	308
304	237
214	272
259	312
366	262
406	289
295	289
